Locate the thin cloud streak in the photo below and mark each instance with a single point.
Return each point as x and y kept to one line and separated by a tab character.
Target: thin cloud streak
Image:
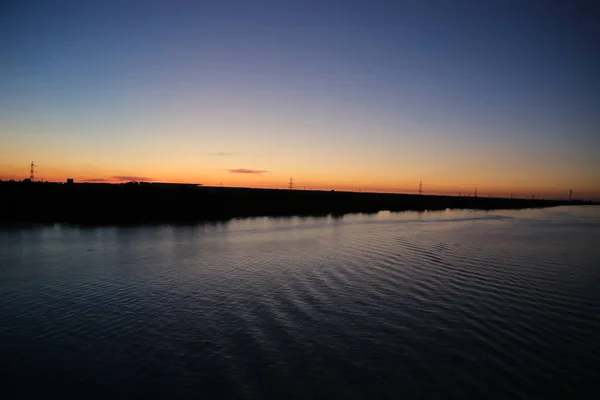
247	171
220	154
131	178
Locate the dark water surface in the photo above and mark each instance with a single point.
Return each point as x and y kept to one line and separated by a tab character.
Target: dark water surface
504	304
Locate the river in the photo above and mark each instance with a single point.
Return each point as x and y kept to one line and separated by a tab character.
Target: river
452	304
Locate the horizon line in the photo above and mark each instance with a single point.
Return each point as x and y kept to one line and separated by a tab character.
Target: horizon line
457	194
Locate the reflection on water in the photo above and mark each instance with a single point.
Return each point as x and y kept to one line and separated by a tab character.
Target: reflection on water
454	303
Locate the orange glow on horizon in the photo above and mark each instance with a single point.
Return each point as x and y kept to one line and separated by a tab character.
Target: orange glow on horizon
309	182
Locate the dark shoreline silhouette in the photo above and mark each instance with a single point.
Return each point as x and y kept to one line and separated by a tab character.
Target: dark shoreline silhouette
94	203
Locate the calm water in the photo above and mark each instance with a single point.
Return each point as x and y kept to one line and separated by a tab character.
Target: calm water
504	304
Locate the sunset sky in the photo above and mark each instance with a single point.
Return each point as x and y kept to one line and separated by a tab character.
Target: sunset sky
502	96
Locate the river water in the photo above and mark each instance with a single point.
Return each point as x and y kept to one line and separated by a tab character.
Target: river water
453	304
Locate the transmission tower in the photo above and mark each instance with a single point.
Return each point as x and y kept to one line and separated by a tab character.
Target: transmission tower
291	183
32	171
475	193
420	187
571	195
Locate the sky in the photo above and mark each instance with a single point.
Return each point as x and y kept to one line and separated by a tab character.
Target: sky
498	96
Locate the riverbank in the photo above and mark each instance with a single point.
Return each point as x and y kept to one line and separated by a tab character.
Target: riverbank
145	202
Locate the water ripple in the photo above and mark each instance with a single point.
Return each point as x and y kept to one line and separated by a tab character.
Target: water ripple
455	304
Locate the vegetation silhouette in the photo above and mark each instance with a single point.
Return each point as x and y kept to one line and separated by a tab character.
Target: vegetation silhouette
99	203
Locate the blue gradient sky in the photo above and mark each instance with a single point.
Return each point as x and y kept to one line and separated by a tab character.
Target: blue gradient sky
503	96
